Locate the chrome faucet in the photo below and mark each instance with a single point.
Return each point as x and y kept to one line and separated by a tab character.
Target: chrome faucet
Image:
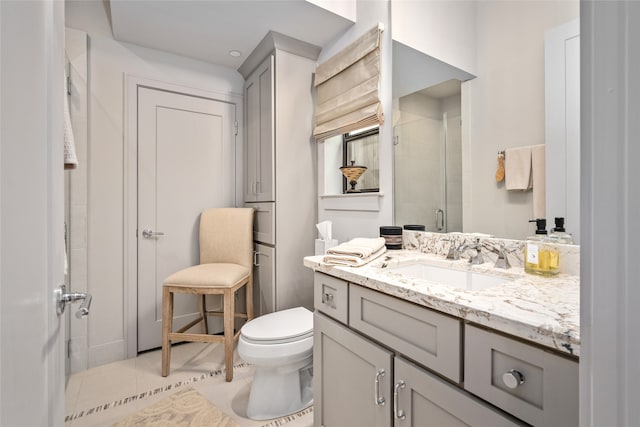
477	258
502	261
453	251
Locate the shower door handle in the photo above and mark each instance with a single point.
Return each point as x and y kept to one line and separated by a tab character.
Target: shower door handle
439	219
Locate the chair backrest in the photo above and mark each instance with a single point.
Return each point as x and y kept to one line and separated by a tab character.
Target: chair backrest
226	235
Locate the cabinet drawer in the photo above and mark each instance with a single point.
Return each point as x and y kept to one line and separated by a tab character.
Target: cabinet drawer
545	385
264	223
331	296
431	339
422	396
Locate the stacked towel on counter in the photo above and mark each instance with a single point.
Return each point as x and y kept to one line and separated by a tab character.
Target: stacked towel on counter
355	252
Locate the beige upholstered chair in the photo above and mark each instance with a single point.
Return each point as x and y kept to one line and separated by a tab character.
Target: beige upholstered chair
226	265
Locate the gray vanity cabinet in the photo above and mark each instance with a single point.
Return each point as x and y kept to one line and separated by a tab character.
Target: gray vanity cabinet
352	378
361	375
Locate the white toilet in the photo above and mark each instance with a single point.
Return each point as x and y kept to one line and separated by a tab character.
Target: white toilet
280	346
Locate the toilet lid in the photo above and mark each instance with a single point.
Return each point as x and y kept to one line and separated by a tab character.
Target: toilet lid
281	326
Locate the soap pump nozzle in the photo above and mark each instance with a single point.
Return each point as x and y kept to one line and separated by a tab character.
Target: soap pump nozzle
559	224
541	225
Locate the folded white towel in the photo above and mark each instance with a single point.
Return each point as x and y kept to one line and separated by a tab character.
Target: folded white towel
517	168
360	247
352	260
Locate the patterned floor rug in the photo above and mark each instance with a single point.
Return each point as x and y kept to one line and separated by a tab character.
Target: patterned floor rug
182	409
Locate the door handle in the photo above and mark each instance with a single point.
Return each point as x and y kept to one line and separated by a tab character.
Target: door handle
147	234
62	298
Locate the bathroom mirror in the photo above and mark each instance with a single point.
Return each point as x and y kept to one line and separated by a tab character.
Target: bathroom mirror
427	150
450	185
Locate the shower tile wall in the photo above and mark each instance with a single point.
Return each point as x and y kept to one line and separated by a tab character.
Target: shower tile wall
420	154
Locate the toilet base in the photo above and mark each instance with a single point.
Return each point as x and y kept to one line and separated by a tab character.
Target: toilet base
275	394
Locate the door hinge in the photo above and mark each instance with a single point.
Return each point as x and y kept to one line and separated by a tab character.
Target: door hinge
235	125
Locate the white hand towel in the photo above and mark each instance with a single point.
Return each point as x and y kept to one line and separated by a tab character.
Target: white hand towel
352	260
538	172
359	247
517	168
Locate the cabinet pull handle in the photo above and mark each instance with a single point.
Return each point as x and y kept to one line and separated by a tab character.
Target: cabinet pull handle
256	254
379	399
399	414
439	219
513	378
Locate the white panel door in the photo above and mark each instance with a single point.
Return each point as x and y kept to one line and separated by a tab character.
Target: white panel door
186	163
32	334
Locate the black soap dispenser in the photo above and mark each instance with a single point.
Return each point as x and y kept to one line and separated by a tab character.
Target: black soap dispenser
540	255
558	233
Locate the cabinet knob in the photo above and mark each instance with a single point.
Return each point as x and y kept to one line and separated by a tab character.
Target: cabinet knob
513	379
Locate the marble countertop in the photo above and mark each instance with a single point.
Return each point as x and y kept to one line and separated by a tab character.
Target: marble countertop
541	310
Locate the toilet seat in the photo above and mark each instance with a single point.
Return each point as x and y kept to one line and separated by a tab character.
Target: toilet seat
281	327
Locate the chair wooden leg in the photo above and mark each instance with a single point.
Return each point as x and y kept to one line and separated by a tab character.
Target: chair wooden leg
203	313
229	320
249	296
167	327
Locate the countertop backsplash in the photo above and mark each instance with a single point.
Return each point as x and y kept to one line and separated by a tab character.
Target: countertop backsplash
439	244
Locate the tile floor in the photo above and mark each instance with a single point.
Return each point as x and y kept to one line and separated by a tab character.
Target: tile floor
106	394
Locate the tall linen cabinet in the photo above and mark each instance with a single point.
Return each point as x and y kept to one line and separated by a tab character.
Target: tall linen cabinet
280	169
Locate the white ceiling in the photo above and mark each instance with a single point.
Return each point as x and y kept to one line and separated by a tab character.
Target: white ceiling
208	29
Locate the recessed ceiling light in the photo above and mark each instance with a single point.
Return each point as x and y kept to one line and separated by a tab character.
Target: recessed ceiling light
234	53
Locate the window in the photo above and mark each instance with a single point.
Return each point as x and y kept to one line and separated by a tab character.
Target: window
360	148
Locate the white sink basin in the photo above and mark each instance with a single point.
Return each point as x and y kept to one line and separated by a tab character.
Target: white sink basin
459	279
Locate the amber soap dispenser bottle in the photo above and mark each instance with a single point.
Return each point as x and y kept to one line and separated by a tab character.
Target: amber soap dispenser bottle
540	255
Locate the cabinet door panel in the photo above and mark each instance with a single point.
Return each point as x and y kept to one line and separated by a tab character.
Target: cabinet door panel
264	279
252	120
264	187
426	400
259	146
345	367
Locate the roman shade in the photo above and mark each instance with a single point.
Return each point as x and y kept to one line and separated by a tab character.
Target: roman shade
347	88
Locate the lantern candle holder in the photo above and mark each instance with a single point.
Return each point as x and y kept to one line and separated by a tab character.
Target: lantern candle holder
353	173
